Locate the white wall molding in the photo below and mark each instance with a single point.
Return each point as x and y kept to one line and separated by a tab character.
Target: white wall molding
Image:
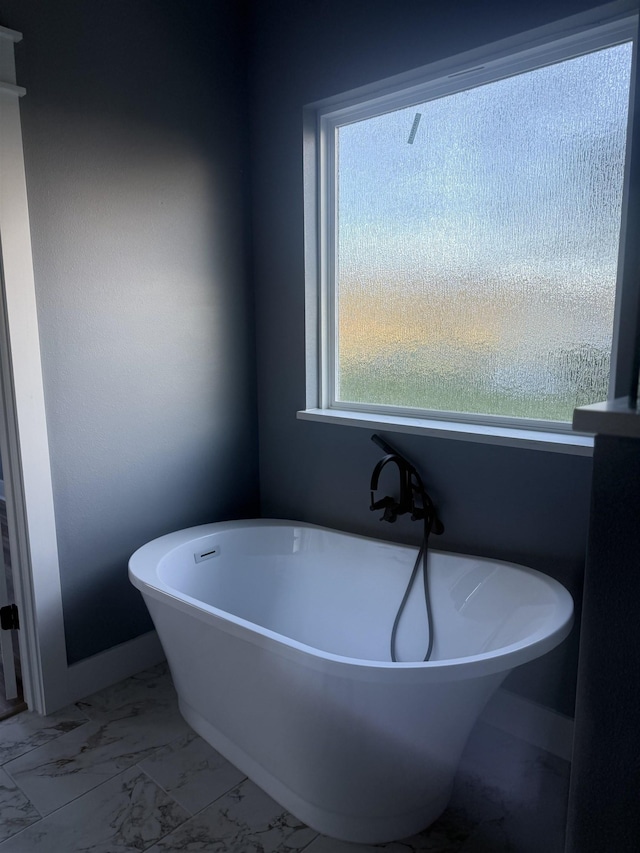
24	445
11	35
535	724
113	665
18	91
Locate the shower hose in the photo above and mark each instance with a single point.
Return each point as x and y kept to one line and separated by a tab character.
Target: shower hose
420	559
414	500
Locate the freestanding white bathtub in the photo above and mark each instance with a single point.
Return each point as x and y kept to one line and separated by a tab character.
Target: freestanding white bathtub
277	638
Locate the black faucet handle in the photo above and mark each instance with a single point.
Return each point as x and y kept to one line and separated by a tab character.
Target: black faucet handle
389	505
391	513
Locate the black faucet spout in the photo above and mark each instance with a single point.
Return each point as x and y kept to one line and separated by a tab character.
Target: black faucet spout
393	508
413	497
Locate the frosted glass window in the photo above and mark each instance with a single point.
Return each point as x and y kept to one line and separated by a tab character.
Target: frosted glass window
476	244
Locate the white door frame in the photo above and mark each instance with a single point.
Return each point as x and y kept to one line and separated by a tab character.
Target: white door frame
24	442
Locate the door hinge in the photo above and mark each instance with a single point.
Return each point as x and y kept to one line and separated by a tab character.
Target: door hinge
9	620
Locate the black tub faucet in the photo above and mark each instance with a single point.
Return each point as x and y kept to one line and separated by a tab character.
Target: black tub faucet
392	508
413	496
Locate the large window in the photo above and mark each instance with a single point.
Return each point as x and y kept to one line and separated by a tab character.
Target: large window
470	236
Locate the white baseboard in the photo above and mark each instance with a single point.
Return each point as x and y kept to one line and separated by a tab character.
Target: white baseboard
113	665
533	723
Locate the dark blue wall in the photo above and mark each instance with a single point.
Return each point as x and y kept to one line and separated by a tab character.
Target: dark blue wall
135	144
605	776
521	505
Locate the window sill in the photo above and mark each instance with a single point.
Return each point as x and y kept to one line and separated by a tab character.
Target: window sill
554	442
613	417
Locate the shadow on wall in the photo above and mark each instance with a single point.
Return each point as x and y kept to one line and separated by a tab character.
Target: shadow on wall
135	141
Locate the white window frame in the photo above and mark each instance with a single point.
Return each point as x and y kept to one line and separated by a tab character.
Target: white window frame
572	37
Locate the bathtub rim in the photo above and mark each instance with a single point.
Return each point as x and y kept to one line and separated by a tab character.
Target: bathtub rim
142	572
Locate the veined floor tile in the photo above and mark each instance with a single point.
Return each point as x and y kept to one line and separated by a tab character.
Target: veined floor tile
509	827
150	690
127	813
16	812
512	765
504	786
246	820
144	781
58	772
192	772
27	731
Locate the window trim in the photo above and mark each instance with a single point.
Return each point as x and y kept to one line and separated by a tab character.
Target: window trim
599	28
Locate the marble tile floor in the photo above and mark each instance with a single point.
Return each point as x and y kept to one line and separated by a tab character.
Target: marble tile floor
121	771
